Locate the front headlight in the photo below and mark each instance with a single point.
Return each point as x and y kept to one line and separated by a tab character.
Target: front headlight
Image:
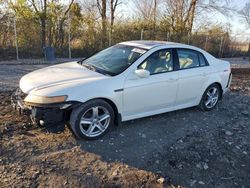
45	100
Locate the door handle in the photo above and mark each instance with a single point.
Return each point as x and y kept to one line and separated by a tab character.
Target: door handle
204	74
173	79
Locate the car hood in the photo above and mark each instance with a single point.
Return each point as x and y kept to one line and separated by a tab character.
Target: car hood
57	75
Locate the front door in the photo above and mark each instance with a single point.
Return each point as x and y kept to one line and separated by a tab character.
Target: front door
154	93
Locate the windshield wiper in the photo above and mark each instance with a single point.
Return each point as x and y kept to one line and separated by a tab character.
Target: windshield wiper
88	66
81	61
95	69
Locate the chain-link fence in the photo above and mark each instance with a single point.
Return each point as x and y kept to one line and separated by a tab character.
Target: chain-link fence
69	40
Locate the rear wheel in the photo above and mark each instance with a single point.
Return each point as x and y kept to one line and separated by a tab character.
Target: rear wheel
210	97
92	119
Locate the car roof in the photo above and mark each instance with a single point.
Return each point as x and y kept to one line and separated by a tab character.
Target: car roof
148	44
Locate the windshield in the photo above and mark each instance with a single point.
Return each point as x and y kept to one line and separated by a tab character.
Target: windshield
113	60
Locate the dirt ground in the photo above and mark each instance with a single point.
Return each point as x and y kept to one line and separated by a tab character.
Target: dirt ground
185	148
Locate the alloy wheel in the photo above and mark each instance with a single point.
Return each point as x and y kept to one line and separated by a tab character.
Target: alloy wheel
212	97
94	121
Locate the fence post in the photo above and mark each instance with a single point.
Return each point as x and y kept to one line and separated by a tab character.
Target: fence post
249	51
142	34
189	36
168	36
110	37
69	35
17	55
221	41
206	42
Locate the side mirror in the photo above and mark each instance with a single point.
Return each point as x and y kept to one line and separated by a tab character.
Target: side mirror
142	73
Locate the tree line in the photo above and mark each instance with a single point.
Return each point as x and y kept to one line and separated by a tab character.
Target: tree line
88	26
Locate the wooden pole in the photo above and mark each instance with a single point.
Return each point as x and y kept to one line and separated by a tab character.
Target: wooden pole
221	42
206	42
69	34
248	50
110	39
142	34
17	54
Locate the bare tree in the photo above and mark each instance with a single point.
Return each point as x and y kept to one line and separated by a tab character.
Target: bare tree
61	22
245	12
181	14
40	8
42	13
113	6
154	16
102	7
144	8
147	10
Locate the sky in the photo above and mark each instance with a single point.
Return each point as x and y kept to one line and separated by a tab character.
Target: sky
240	29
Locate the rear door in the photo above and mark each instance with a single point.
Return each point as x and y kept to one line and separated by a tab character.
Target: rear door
193	73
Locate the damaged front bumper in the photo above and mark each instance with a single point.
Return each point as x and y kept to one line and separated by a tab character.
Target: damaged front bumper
42	114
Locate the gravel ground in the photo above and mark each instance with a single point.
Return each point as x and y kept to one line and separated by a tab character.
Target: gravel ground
187	148
11	74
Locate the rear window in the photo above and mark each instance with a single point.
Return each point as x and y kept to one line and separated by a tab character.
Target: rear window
203	61
187	58
190	59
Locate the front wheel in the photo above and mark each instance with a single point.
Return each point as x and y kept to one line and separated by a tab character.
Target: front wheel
92	119
210	97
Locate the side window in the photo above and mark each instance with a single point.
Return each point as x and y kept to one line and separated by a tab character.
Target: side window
202	59
158	62
187	58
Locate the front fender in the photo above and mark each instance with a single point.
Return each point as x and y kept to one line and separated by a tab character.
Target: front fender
86	94
108	89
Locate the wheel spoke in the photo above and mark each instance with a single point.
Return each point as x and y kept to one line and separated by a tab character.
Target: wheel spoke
95	112
209	94
208	102
100	127
86	121
214	91
90	129
103	117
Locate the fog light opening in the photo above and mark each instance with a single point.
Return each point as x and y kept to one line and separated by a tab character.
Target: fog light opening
41	122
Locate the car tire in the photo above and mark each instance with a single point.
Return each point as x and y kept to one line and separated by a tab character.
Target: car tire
210	98
92	119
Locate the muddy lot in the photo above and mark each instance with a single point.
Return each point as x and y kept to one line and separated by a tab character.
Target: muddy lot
187	148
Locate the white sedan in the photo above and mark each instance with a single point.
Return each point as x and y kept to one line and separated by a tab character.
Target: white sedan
126	81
